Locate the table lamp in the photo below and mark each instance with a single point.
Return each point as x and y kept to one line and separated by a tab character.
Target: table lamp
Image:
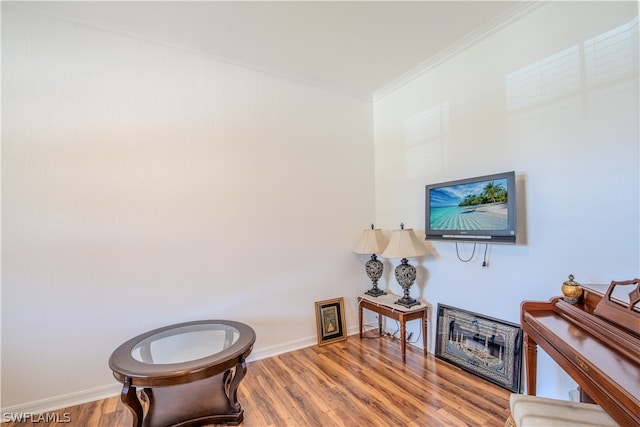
405	244
372	242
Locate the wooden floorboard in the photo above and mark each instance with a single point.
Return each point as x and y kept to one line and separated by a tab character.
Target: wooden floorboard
349	383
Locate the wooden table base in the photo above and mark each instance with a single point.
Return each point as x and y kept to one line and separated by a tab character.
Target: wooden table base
203	402
402	314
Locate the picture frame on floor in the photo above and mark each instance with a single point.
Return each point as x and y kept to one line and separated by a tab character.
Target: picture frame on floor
487	347
330	321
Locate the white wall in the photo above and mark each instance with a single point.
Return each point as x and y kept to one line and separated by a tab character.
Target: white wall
143	185
567	124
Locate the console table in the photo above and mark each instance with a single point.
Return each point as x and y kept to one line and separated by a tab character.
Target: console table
188	374
385	305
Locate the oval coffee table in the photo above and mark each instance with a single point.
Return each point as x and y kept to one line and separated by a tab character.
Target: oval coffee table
186	374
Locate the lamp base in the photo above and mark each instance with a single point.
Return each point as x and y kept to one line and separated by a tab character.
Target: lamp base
374	271
407	302
406	275
375	291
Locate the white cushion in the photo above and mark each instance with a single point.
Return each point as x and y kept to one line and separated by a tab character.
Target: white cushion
533	411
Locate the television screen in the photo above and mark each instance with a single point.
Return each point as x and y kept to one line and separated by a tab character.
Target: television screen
477	209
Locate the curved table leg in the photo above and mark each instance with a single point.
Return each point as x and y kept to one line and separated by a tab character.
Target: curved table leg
240	371
130	399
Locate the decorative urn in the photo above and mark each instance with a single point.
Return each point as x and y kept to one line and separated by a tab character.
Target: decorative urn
571	291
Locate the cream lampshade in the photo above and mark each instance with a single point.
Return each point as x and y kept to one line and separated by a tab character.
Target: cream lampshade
372	242
405	244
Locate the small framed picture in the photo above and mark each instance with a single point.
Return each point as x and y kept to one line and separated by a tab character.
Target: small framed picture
330	321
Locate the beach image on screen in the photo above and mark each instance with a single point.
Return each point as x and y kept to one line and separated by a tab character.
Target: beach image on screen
470	207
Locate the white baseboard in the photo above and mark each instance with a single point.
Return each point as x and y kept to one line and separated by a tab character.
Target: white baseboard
83	396
64	401
275	350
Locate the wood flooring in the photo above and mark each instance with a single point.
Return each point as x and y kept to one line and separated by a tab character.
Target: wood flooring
349	383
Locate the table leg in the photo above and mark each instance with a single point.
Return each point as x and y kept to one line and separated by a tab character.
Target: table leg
360	318
531	364
130	398
403	338
424	332
232	391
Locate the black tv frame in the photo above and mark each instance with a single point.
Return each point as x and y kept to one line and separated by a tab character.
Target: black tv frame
507	235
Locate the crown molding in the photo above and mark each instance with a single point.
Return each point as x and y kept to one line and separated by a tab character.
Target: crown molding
514	14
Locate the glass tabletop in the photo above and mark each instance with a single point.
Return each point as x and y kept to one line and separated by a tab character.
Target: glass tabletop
185	343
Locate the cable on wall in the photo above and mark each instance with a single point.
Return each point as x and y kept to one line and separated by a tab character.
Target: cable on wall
484	259
472	253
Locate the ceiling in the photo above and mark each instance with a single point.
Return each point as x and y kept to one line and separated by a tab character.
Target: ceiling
359	48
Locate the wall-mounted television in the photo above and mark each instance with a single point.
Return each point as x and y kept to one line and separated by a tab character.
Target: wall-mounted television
480	209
